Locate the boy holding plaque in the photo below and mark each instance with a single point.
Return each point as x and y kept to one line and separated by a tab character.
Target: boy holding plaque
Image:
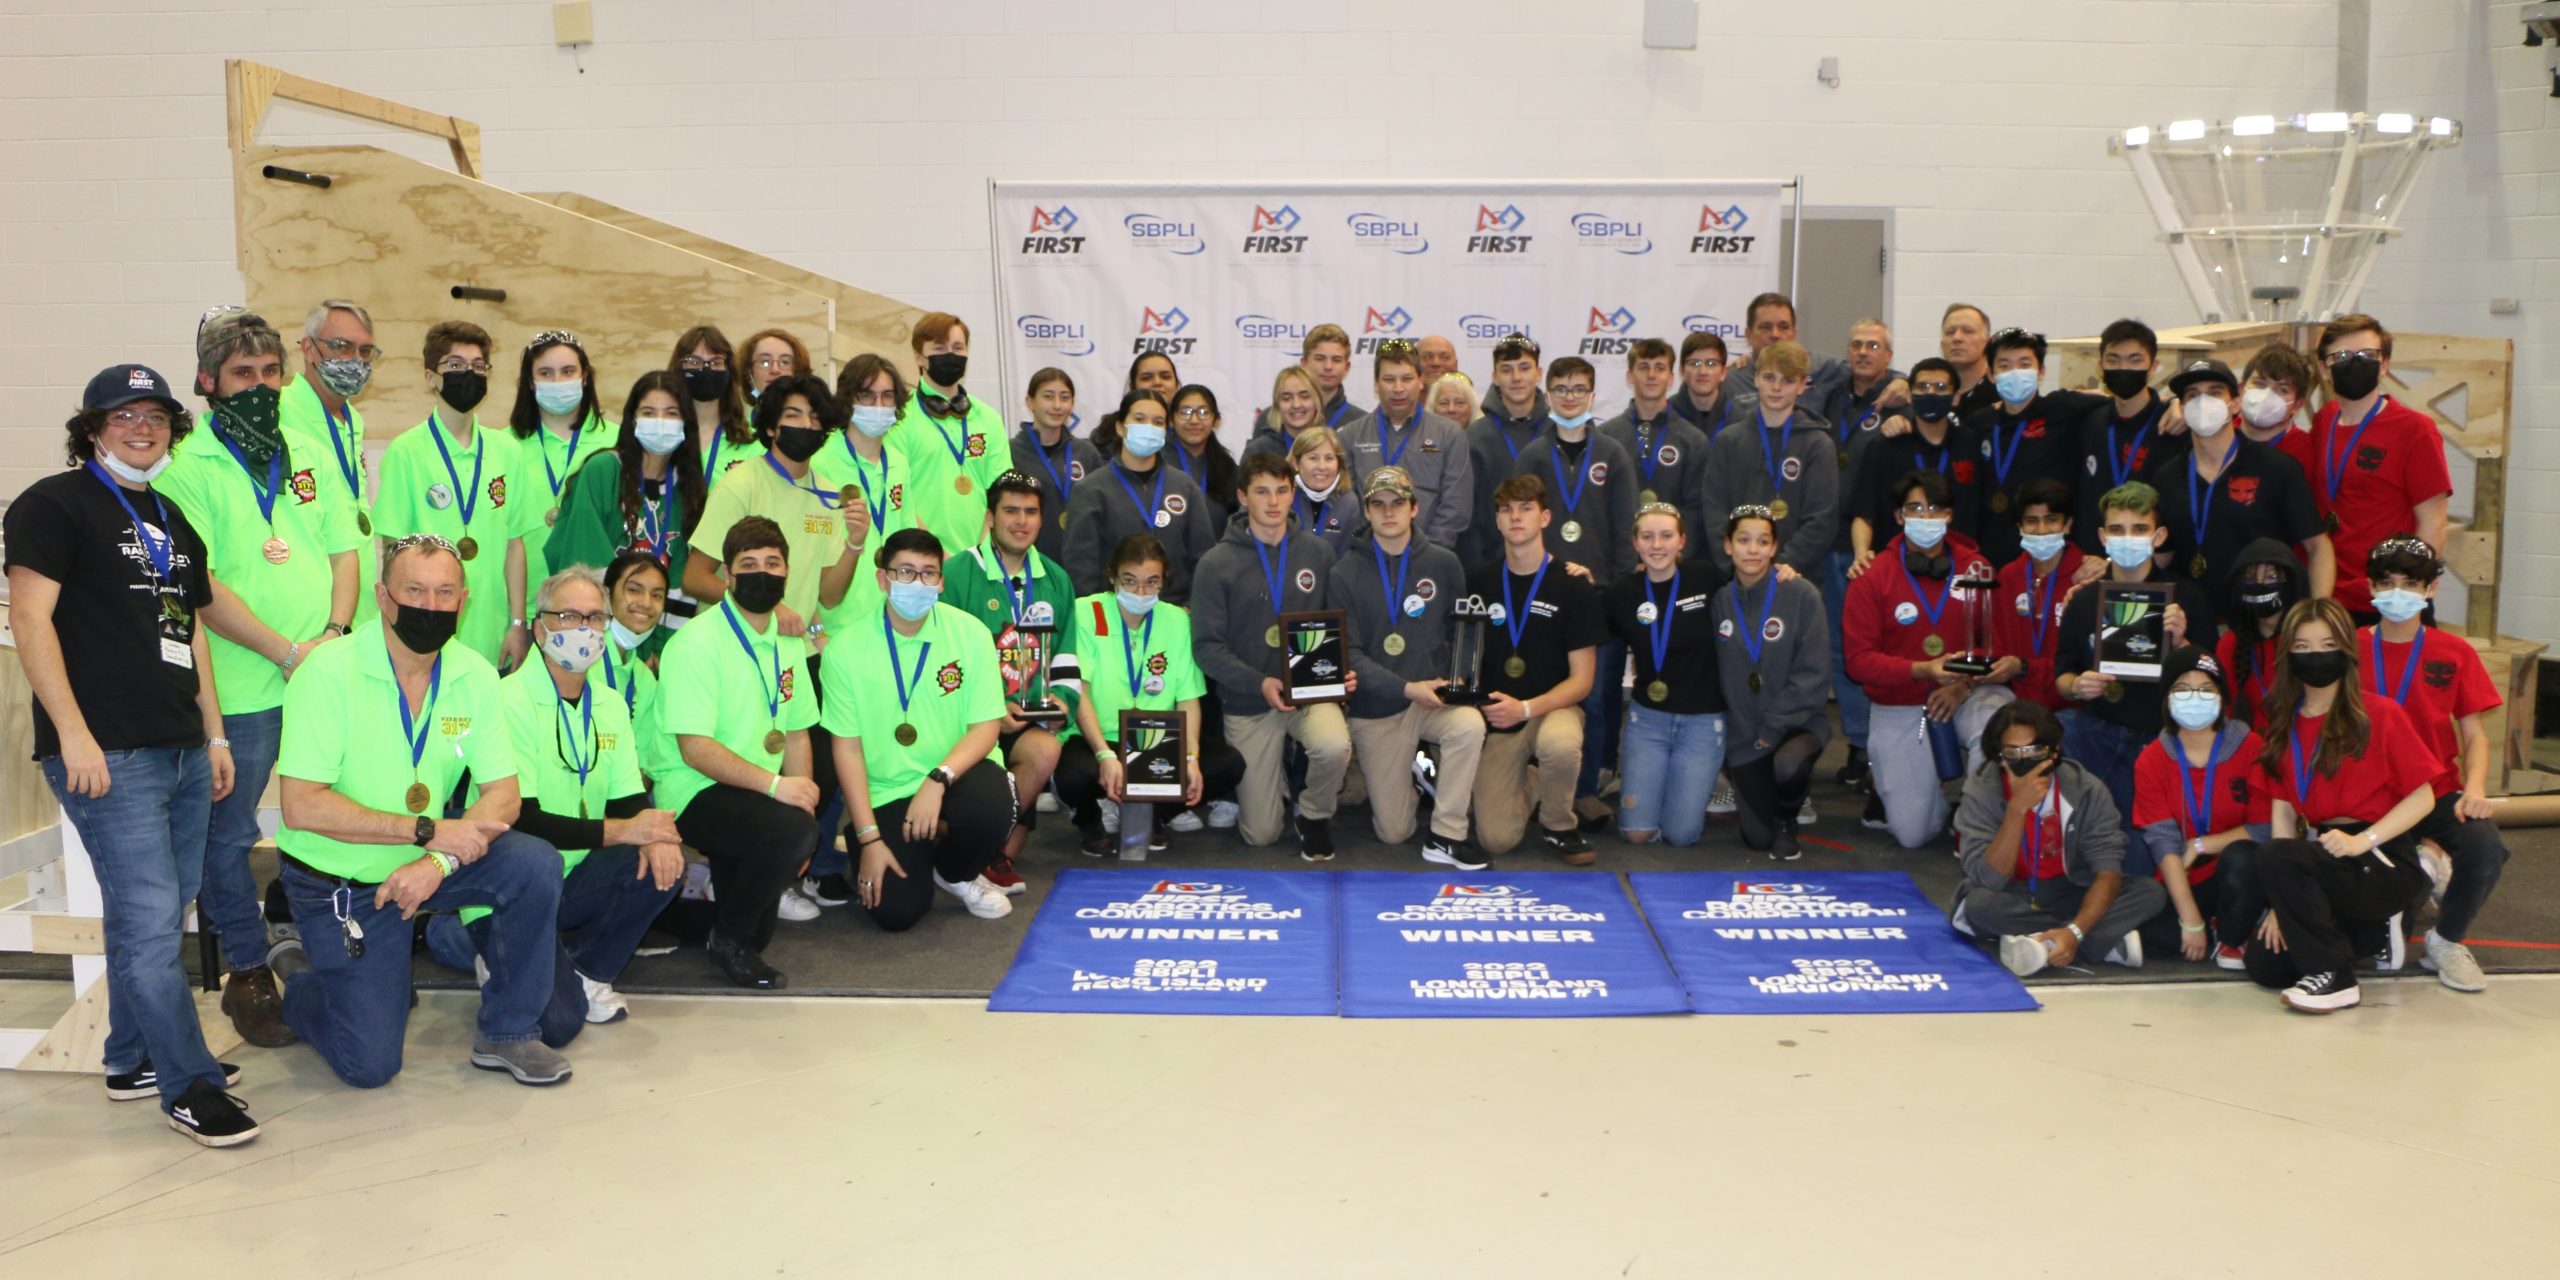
1539	656
1022	597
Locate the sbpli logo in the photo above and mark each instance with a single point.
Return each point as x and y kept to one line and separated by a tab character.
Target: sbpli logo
1482	330
1052	232
1379	231
1149	231
1610	332
1382	327
1499	230
1703	322
1272	231
1270	332
1049	333
1720	231
1607	231
1161	331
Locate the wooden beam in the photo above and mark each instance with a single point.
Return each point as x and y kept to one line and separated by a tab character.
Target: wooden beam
253	86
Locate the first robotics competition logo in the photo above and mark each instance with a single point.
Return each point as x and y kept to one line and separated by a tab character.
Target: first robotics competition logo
1163	332
1188	911
1490	913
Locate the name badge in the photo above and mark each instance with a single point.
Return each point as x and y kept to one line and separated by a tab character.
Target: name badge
178	653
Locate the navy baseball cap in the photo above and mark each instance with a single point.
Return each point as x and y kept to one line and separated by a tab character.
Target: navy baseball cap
119	385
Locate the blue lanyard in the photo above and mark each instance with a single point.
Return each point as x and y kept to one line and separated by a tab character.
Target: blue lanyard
2200	509
157	549
1274	577
1502	432
653	522
351	468
2044	603
1773	461
1310	512
628	688
585	761
1386	428
906	684
465	501
1945	589
959	451
825	499
711	456
414	730
275	478
2199	802
1061	476
1648	447
2333	462
2301	770
1145	513
2001	459
1581	478
1921	459
1335	418
1752	636
1657	633
542	445
875	500
772	690
1146	638
1021	597
1394	587
2120	457
2408	673
1515	620
1849	430
1182	459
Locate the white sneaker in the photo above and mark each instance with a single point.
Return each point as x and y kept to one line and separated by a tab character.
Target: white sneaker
796	906
2394	955
2439	869
984	900
1962	923
1806	815
2024	954
2452	964
1222	814
1047	802
1721	799
2128	952
1185	821
1110	816
604	1004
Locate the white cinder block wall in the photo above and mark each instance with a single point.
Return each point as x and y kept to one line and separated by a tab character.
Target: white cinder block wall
855	137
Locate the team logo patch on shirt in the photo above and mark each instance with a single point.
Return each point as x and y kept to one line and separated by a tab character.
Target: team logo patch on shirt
2092	461
605	741
1075	469
813	523
1963	471
948	678
1155	664
1792	468
2240	791
453	726
1647	614
498	491
2243	490
1426	588
2369	457
898	497
1906	613
2034	430
2439	674
1773	629
1040	614
1669	455
305	489
1599	473
1725	628
1176	504
1306	579
978	445
2024	608
787	682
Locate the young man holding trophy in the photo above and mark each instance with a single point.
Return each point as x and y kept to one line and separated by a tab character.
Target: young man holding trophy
1022	597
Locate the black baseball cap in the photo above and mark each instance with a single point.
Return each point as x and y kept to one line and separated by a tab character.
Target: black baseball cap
2202	371
119	385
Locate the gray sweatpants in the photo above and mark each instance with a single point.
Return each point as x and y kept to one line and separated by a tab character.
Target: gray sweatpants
1906	772
1992	914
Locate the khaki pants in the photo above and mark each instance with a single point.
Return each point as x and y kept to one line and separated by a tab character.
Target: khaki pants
1385	746
1262	796
1506	783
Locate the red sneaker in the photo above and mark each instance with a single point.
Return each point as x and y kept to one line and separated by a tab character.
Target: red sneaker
1001	874
2226	956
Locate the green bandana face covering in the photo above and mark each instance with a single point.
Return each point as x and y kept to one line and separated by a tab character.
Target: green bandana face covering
248	420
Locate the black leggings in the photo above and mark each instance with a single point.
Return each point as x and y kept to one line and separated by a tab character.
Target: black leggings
1768	792
2229	899
1079	778
977	815
755	845
2330	907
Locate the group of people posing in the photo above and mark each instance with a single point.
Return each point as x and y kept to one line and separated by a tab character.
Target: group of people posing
839	640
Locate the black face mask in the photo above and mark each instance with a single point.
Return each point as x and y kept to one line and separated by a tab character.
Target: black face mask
799	443
2355	376
2125	384
424	630
2263	604
1931	407
756	592
464	390
946	369
2319	670
2021	768
706	384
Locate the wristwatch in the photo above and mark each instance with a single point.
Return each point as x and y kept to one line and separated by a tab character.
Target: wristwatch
426	831
337	628
942	775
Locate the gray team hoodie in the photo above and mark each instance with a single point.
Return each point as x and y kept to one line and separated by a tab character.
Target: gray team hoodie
1795	666
1432	576
1231	613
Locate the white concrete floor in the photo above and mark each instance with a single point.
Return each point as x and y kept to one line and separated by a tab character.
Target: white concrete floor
2132	1131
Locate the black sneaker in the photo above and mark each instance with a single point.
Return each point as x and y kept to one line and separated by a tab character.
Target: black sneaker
1854	772
1569	846
1873	819
1784	848
1461	854
829	890
1094	842
1315	839
1159	838
143	1082
212	1117
2324	992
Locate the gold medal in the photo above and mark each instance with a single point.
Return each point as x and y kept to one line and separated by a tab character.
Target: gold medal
1572	531
2198	566
1932	645
276	550
364	524
773	741
1844	459
468	548
1999	502
1394	644
2329	522
418	797
961	483
906	735
1658	691
551	517
1755	682
849	495
1646	497
1062	519
1778	508
1515	667
1272	637
2115	692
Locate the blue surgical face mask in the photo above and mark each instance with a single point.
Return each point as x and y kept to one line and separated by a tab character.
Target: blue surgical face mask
559	397
2016	386
2042	546
625	636
913	600
1924	532
2195	708
1143	438
1136	604
874	420
1568	423
2130	553
2399	604
659	436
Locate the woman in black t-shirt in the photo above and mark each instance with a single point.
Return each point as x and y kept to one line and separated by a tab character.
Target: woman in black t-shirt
105	581
1674	741
1773	647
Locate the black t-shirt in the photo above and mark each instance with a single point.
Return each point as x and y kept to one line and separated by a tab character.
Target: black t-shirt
2261	493
2043	441
1563	615
2114	450
69	528
1689	656
2140	707
1887	459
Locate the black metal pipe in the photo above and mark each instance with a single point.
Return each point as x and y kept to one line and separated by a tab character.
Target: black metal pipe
282	174
474	293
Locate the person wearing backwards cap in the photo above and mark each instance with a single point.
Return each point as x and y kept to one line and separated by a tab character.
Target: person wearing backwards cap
2228	490
105	581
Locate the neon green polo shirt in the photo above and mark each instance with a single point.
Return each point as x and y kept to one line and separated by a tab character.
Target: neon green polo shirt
810	526
419	495
960	687
884	489
545	464
724	455
942	451
546	746
221	500
341	452
1157	657
974	581
635	686
710	687
342	730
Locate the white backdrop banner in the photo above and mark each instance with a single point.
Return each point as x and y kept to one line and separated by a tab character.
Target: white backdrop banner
1227	278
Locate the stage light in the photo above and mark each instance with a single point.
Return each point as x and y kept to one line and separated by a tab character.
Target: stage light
2137	135
2185	130
2326	122
2395	122
2253	126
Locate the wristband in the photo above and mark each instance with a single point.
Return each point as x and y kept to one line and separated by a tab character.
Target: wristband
292	655
773	786
518	622
444	861
2076	935
2372	840
2184	927
864	836
224	743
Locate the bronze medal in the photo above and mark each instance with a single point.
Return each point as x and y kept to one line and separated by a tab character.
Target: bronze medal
2197	566
1658	691
1999	502
773	742
364	524
2115	692
961	483
1778	509
1646	497
1272	637
551	517
418	797
1933	645
1515	667
1394	644
849	495
1062	519
276	550
468	548
906	735
1572	531
1755	682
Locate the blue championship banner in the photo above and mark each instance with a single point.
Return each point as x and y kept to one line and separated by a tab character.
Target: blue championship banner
1555	944
1819	942
1116	940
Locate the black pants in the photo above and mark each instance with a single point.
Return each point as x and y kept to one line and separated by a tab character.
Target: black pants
2230	899
2479	857
2324	903
1079	777
977	815
755	844
1768	792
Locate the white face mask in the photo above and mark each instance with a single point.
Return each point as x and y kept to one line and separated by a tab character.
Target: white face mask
659	436
1324	494
2207	415
2129	553
129	473
2262	408
558	397
625	636
574	649
874	420
1924	532
2399	604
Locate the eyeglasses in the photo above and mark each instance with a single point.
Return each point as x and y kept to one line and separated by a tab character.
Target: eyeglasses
1696	363
1195	413
456	364
1139	586
1866	344
1922	510
784	363
563	619
696	364
341	348
909	574
155	419
1568	389
2024	753
2336	358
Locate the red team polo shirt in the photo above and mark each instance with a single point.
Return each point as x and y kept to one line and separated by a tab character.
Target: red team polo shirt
2239	792
2393	762
2015	607
2380	475
2445	682
1885	624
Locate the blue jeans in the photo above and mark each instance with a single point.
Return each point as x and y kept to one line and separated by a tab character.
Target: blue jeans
145	839
1602	709
2109	750
1851	695
230	889
605	909
1666	766
354	1010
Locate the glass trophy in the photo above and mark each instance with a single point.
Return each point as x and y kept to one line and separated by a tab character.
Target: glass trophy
1977	589
1468	618
1024	652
